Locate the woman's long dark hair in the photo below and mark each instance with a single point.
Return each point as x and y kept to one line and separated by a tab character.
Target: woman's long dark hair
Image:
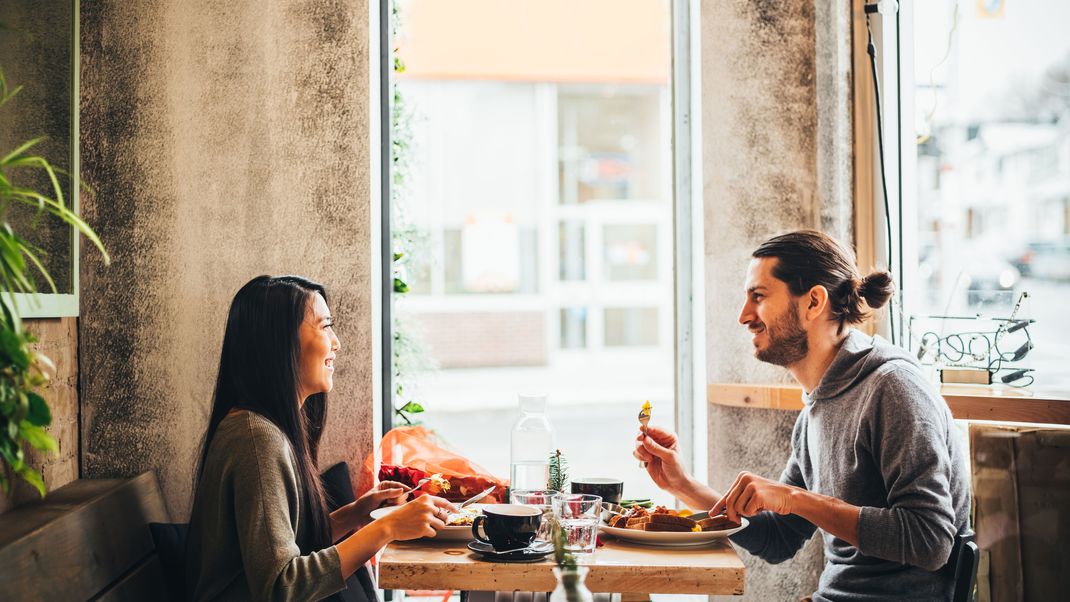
258	372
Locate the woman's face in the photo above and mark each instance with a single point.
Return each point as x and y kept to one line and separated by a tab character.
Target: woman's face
319	345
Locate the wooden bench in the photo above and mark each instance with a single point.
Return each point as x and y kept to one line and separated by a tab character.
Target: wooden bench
87	540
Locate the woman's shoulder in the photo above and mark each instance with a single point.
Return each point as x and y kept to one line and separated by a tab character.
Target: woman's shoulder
249	436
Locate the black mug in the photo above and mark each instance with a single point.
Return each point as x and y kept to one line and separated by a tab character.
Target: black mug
610	490
507	526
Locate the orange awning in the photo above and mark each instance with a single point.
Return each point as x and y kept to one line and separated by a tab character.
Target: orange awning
621	41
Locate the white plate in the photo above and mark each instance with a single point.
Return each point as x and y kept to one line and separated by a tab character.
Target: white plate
450	533
673	539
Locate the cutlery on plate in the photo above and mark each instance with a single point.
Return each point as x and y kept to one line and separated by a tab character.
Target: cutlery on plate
475	498
644	420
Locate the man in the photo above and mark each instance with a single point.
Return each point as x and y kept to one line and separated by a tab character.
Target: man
874	464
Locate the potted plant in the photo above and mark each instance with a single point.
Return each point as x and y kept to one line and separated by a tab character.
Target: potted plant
24	414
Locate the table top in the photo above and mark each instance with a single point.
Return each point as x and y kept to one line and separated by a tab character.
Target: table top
617	566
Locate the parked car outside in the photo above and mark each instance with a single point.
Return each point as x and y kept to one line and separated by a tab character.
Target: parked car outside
1045	260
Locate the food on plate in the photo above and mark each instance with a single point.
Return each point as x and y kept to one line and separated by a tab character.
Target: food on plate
459	488
658	519
720	522
436	484
464	518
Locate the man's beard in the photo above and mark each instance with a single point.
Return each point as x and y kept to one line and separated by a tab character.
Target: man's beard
787	340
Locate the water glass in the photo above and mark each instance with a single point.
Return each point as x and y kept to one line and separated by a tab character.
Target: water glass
578	515
541	500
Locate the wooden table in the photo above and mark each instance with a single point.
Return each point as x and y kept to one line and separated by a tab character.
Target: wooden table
617	567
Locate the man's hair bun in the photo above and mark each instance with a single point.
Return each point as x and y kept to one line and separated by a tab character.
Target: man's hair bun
876	289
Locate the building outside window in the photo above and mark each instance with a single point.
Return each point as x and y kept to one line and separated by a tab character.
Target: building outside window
541	188
991	174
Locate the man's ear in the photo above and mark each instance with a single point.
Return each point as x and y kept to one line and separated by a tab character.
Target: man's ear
816	301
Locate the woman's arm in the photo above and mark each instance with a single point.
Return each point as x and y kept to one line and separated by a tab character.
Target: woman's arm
422	517
355	515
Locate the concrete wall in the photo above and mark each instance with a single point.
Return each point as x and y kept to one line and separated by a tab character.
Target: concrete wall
775	96
224	140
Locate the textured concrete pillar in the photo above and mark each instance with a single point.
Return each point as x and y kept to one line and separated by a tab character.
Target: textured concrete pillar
776	157
224	140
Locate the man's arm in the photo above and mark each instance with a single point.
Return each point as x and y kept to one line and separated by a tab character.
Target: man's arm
751	494
657	448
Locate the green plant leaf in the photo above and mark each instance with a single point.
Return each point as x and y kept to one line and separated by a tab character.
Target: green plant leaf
398	255
412	408
10	450
33	477
12	349
39	414
38	437
25	146
400	286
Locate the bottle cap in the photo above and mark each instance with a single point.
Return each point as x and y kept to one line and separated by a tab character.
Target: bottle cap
533	402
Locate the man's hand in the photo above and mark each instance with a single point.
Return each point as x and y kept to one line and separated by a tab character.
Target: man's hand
657	448
751	494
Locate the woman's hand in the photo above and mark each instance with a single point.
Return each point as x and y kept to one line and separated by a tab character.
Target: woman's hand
422	517
386	493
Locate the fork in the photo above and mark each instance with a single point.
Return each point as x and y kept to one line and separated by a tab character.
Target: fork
644	420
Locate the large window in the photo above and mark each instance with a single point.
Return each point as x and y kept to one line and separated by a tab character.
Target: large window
39	53
986	158
538	205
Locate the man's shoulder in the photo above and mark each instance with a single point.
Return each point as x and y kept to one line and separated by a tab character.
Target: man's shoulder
902	384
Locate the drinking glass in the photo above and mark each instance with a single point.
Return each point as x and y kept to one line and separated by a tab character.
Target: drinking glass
540	500
579	515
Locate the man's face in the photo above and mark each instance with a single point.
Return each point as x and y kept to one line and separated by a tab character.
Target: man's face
771	314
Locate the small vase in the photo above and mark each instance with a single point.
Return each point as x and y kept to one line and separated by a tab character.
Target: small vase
570	586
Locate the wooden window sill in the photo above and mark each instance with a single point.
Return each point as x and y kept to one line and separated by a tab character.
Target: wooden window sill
967	402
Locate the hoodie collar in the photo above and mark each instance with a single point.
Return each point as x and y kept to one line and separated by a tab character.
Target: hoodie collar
859	355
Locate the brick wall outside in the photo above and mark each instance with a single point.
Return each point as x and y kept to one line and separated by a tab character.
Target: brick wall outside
58	339
484	339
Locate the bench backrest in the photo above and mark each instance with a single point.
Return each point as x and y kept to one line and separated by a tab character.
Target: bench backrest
89	539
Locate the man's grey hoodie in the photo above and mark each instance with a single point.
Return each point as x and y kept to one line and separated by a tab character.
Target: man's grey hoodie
876	434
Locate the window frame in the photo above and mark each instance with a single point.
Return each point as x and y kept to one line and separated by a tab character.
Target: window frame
688	343
63	305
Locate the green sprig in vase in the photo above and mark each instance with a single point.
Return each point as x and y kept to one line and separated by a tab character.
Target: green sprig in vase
570	576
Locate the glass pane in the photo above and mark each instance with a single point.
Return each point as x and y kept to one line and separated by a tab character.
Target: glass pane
631	326
992	115
521	154
573	327
36	53
630	252
572	253
609	143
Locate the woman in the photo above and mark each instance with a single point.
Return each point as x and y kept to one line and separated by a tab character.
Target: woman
259	528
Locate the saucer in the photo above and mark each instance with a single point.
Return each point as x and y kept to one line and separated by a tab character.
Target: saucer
534	552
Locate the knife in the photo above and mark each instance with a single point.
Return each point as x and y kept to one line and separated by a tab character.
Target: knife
475	498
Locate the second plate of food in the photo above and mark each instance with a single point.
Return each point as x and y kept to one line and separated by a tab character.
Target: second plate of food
671	538
458	526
